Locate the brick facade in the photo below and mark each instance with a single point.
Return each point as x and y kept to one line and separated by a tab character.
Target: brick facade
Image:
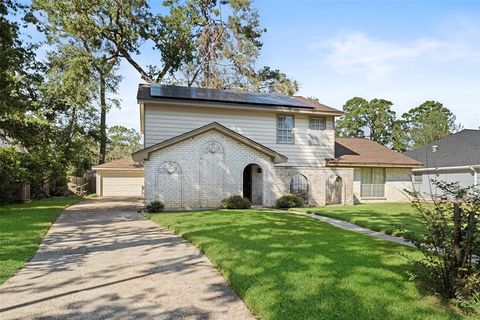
201	171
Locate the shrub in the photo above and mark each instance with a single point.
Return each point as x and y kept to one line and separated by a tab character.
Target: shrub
155	206
448	265
236	202
12	171
289	201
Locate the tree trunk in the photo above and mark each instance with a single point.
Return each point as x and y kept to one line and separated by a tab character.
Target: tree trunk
457	233
103	120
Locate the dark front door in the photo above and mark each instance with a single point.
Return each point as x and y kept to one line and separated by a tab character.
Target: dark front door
247	182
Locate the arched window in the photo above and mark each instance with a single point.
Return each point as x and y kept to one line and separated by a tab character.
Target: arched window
333	190
299	187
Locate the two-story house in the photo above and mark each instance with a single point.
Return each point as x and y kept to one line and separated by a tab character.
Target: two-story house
203	145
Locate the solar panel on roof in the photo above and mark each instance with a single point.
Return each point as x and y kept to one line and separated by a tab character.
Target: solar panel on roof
203	94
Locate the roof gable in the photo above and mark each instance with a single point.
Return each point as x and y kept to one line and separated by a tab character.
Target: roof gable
145	153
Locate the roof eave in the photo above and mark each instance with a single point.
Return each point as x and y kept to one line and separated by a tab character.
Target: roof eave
369	164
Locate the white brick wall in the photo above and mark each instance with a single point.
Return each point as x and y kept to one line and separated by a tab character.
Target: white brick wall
317	178
202	171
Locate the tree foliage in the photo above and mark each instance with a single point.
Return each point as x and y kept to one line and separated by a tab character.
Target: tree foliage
225	48
85	25
377	121
372	119
427	123
199	43
68	93
122	142
20	75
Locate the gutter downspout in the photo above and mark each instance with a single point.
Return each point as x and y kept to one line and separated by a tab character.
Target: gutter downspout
474	167
475	176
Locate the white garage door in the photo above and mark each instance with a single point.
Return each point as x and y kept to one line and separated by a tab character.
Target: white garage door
122	186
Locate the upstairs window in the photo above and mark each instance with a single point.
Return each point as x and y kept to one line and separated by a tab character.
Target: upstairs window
318	124
285	125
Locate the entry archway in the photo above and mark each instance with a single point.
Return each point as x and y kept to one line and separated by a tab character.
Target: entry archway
299	187
333	190
253	184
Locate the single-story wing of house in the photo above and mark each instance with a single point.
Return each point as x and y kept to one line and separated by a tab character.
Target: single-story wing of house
203	145
455	158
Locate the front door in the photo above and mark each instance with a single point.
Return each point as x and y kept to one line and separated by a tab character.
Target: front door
247	182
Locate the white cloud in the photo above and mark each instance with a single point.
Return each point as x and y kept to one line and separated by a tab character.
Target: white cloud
357	53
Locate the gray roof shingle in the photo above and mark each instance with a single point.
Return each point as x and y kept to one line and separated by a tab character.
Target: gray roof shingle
459	149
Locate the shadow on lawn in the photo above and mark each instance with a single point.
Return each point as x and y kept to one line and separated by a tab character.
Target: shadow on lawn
289	267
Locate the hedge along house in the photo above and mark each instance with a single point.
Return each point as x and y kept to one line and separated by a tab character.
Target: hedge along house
455	158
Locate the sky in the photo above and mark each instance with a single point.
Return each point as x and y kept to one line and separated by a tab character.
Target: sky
403	51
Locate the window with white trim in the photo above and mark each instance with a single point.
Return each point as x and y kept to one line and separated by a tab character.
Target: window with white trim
372	183
285	125
417	177
318	124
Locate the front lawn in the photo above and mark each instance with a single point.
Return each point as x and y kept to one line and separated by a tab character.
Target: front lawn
290	267
22	228
397	219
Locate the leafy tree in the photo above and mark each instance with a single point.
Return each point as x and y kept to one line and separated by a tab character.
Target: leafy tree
449	266
225	48
268	80
192	37
84	24
399	137
20	75
122	142
69	93
373	119
427	123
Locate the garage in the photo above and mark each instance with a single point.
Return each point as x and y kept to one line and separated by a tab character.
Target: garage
120	178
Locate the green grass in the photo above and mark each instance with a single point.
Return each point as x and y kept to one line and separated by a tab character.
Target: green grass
290	267
397	219
22	228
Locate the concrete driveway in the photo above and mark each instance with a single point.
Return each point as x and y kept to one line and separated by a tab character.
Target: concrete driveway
102	260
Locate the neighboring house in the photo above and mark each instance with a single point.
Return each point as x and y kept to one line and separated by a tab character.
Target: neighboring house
455	158
203	145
